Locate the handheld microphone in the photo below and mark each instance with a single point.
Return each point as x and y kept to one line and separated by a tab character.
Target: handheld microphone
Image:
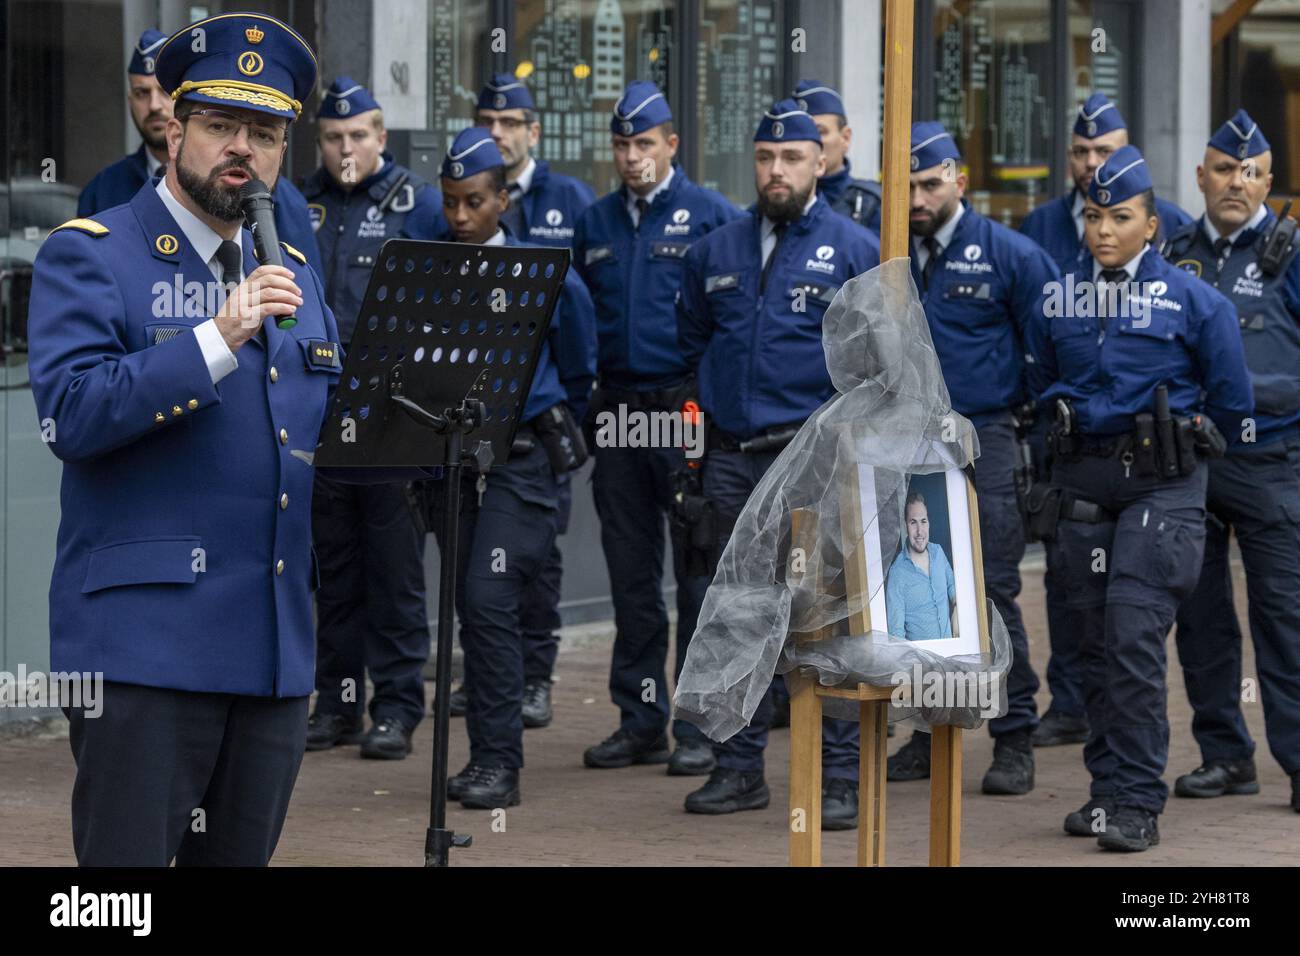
259	211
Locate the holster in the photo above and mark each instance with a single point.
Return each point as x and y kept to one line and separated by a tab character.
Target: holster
562	439
693	521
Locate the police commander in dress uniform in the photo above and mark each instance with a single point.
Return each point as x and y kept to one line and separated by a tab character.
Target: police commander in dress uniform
184	568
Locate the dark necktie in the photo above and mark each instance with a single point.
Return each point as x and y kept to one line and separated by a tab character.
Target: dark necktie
1115	278
229	256
1222	246
514	215
642	207
778	230
933	248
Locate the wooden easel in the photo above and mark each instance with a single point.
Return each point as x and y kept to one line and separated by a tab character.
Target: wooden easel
806	693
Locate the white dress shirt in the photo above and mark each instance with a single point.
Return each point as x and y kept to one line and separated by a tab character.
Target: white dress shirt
1077	213
1250	223
1131	267
498	239
216	353
525	180
151	162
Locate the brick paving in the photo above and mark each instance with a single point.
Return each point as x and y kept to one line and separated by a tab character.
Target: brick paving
347	811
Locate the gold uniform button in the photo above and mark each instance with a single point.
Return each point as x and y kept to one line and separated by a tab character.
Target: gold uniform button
275	374
159	417
284	437
177	410
284	501
279	566
192	404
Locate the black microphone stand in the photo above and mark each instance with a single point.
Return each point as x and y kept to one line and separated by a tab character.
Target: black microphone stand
454	423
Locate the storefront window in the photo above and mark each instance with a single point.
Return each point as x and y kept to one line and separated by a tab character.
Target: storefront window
1258	68
577	56
993	68
457	40
739	76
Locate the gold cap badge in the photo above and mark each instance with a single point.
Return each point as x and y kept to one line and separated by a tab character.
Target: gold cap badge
254	35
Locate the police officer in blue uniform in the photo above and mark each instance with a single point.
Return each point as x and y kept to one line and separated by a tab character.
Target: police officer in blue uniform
859	199
749	320
370	607
544	209
1099	130
1144	369
1057	226
1241	249
981	283
509	531
183	571
151	108
628	249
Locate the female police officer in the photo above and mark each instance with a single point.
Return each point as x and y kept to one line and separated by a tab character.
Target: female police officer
1127	355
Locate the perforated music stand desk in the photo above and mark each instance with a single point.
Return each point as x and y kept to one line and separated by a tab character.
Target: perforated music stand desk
444	352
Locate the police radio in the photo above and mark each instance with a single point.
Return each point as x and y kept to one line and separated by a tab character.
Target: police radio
259	210
1277	244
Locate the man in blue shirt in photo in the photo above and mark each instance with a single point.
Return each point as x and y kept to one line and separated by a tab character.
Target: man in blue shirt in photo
921	590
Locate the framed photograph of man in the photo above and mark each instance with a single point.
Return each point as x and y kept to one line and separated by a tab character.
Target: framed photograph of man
923	568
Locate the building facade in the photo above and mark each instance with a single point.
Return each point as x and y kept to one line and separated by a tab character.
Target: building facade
1005	75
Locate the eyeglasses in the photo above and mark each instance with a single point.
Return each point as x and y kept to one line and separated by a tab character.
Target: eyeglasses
221	127
508	123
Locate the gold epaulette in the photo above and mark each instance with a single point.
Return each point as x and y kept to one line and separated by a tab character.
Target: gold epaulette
88	226
291	250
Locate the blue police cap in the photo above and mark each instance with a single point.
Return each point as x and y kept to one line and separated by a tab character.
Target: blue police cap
345	98
145	52
931	145
816	98
786	123
1239	137
1097	117
1122	176
247	60
643	106
472	152
505	92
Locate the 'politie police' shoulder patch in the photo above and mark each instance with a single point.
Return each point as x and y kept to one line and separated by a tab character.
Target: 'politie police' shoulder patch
323	354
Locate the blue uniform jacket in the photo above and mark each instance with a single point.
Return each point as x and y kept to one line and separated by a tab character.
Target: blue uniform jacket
759	354
634	274
1268	312
117	184
566	367
1052	227
552	207
180	498
1188	340
987	284
350	229
859	199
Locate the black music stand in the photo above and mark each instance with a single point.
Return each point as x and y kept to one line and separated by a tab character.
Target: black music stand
446	344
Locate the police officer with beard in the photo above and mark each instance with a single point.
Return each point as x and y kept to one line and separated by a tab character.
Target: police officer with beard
981	284
151	108
749	321
1241	249
371	614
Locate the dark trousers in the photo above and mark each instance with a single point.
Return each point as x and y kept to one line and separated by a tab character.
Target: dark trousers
539	609
729	479
503	548
1124	580
1064	673
1002	536
1256	493
633	492
370	610
204	779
